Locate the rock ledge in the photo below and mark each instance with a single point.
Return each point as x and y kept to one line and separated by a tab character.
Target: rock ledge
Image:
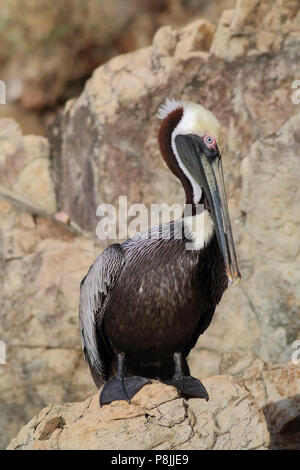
253	405
157	418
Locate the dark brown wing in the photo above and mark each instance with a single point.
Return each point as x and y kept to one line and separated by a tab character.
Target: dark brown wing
201	327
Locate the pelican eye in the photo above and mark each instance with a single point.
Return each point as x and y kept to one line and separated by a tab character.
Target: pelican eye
209	141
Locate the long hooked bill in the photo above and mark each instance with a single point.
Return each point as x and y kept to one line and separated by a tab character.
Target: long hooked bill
208	173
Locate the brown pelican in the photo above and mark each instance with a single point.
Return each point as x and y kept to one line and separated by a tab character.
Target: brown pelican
144	303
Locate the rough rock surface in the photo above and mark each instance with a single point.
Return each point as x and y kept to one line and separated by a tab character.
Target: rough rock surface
47	52
253	405
276	389
25	165
42	263
105	145
35	51
39	322
156	419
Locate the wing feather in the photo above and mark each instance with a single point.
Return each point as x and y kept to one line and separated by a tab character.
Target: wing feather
94	295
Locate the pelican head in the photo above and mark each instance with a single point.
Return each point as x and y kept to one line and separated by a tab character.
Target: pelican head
191	142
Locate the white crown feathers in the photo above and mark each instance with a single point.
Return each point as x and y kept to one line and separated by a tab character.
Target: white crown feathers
167	107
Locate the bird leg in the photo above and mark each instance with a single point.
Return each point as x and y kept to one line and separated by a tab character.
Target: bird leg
187	386
121	387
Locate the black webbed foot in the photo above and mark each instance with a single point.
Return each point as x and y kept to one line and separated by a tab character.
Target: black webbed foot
113	390
121	387
187	386
134	384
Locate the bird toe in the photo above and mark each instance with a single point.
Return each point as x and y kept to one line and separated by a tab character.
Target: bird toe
113	390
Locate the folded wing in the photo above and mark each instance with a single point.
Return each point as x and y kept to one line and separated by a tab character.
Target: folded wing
94	298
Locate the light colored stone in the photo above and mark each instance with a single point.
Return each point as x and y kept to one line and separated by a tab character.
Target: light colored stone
164	41
276	389
224	45
41	270
34	182
156	419
25	165
197	36
254	27
34	53
42	264
264	41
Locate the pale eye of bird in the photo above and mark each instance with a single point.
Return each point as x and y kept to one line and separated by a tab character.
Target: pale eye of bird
209	141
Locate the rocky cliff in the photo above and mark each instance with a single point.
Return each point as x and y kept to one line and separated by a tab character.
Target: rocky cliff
48	51
244	412
104	145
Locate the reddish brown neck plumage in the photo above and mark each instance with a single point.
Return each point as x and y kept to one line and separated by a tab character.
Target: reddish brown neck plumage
165	139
